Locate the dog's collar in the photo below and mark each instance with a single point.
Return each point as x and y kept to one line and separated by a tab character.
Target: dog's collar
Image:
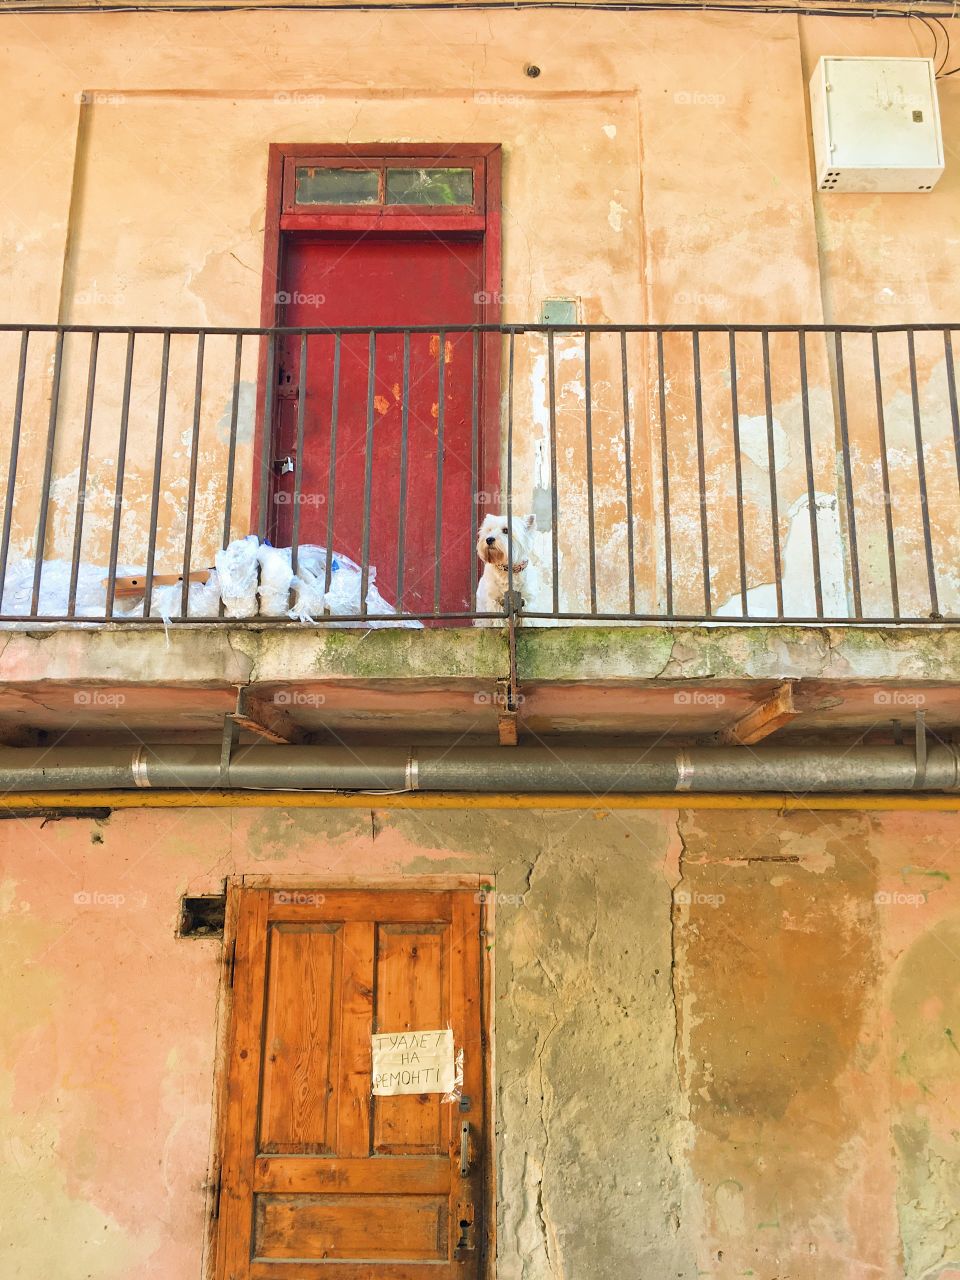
517	568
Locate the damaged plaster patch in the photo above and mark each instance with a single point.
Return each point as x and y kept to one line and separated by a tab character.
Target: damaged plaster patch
925	1004
797	565
753	442
610	130
590	1186
775	963
615	216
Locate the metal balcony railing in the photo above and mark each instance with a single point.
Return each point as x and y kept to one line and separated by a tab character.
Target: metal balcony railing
639	473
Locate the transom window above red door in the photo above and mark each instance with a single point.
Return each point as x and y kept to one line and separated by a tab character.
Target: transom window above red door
398	185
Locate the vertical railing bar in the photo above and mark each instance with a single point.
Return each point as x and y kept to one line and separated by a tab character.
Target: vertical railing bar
628	473
808	462
232	446
847	475
82	475
121	473
404	452
266	438
665	474
554	496
772	465
922	477
47	473
951	371
157	473
332	470
438	522
588	441
701	472
474	466
885	476
510	368
738	472
368	474
14	460
298	459
192	483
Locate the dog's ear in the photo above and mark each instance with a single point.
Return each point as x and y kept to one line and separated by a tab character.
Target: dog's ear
529	522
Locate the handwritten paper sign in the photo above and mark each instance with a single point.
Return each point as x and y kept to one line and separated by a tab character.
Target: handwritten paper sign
413	1062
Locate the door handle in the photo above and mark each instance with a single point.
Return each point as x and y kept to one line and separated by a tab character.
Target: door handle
465	1149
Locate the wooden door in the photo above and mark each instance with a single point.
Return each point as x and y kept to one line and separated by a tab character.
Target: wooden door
319	1178
390	461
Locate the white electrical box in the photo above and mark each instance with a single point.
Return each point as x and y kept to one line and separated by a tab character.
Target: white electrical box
876	124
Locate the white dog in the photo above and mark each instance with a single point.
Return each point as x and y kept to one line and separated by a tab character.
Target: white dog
495	579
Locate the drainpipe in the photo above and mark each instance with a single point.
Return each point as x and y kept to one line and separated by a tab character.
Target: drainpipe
591	770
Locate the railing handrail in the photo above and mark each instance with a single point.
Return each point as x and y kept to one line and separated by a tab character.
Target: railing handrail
332	330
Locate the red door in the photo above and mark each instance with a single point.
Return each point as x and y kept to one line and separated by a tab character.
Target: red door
390	457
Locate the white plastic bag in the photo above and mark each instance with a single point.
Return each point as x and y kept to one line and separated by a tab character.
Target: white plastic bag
237	571
275	580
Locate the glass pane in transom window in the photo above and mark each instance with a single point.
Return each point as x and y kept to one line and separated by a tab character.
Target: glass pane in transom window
429	186
337	186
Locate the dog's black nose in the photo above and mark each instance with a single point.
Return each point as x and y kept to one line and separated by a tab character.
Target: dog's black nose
491	541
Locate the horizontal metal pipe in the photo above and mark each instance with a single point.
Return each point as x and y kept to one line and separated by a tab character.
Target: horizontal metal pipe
577	770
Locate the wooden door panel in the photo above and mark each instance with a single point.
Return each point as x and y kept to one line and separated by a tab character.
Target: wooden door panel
318	1176
356	904
299	1107
351	1228
412	993
424	1176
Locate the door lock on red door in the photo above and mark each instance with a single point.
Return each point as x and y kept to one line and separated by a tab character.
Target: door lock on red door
283	466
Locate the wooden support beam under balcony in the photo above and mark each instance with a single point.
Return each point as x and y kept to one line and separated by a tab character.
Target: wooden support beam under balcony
763	720
266	719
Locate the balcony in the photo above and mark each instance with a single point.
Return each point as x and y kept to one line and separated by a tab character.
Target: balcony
671	474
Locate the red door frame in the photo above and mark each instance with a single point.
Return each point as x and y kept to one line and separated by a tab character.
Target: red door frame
485	224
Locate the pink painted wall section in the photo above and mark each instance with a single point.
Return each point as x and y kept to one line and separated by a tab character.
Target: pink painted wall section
774	995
